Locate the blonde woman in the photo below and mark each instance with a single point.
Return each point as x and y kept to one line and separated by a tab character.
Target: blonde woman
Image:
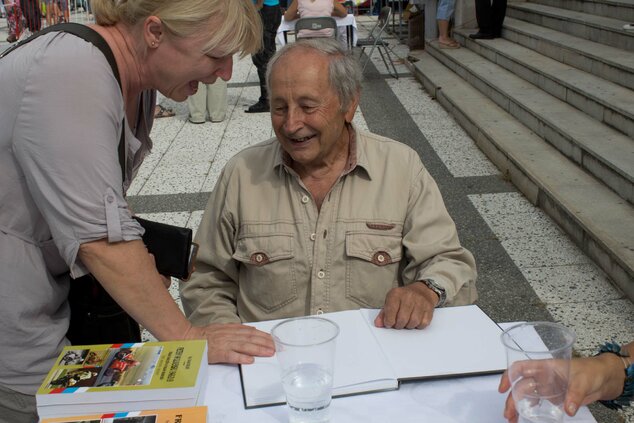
63	211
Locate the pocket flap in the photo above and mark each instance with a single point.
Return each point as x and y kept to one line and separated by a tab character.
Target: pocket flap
262	249
380	249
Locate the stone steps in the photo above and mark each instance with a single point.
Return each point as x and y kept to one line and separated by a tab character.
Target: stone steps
598	219
617	9
613	64
600	29
603	100
598	149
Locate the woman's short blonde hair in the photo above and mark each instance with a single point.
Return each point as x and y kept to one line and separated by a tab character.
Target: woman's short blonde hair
233	25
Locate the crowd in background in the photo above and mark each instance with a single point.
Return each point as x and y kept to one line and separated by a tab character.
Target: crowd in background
24	17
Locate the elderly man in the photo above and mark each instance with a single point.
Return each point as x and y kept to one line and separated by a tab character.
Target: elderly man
325	217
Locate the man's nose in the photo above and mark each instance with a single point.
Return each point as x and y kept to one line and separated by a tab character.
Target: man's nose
293	120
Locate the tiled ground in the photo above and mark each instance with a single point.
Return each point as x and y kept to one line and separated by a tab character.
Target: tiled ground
528	268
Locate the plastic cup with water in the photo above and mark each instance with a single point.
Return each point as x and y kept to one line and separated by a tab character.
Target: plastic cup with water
538	359
305	349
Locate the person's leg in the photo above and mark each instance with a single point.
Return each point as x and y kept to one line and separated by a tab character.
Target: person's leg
444	12
197	105
217	100
271	19
16	407
483	16
50	12
63	4
498	12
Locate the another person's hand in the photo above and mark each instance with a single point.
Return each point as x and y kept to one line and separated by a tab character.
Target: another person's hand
590	379
411	307
233	342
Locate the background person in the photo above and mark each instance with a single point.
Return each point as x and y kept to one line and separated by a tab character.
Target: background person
490	16
315	8
63	208
443	16
325	217
210	100
271	16
607	377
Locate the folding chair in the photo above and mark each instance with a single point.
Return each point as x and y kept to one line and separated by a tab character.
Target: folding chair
376	41
318	23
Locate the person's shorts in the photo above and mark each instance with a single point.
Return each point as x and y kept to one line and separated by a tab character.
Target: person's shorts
445	9
63	4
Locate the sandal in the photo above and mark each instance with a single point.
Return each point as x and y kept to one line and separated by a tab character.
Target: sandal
162	112
450	45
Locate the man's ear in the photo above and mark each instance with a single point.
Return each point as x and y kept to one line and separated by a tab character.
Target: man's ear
153	32
352	107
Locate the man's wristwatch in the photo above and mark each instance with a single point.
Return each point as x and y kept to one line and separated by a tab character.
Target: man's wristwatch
439	290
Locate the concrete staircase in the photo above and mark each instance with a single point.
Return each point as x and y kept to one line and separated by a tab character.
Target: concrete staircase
552	105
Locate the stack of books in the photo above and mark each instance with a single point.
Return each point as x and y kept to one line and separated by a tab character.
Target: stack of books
172	415
93	379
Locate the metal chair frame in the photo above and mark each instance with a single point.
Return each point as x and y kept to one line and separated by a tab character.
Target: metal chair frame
376	41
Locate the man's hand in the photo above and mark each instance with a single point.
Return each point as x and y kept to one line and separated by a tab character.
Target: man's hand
233	343
410	307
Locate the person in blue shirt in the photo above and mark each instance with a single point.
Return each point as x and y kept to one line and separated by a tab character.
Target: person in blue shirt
271	15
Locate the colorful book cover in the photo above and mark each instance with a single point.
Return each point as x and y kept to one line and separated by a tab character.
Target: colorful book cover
126	373
172	415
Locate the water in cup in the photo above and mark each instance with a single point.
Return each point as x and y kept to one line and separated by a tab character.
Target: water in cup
308	388
540	410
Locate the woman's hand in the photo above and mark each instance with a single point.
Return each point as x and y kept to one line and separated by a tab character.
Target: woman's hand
591	379
233	342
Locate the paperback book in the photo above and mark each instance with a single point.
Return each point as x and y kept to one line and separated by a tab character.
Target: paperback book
461	341
172	415
124	377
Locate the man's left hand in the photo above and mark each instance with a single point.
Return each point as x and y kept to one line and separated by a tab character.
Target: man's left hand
410	307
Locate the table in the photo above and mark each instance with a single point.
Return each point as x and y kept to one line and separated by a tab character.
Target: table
349	22
461	400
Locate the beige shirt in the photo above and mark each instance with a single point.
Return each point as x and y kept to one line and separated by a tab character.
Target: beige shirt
267	253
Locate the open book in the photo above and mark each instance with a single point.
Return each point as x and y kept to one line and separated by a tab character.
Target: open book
461	341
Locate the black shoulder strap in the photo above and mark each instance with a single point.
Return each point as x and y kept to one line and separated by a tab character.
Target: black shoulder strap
93	37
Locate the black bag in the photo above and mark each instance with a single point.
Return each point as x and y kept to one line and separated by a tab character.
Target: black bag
96	318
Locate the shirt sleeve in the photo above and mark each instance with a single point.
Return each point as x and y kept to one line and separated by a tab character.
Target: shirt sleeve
431	242
66	140
210	296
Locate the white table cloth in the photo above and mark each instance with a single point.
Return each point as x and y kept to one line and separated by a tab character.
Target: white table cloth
460	400
342	25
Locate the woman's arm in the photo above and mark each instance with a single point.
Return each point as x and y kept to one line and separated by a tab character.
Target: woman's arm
128	273
338	9
291	13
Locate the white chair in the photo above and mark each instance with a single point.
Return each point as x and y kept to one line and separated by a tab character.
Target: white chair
377	42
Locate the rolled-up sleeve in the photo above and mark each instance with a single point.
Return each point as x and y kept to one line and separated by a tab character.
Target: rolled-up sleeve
67	151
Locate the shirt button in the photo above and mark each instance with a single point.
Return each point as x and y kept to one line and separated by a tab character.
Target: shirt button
380	258
313	236
259	258
305	199
321	274
110	198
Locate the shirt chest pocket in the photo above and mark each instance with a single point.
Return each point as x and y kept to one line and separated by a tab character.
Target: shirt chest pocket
372	266
267	273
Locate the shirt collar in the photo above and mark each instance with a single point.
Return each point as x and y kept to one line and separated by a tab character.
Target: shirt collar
356	158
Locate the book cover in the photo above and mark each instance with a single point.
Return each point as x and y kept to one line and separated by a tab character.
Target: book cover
124	377
172	415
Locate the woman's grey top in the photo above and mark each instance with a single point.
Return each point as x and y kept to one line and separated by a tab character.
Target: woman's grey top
61	112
